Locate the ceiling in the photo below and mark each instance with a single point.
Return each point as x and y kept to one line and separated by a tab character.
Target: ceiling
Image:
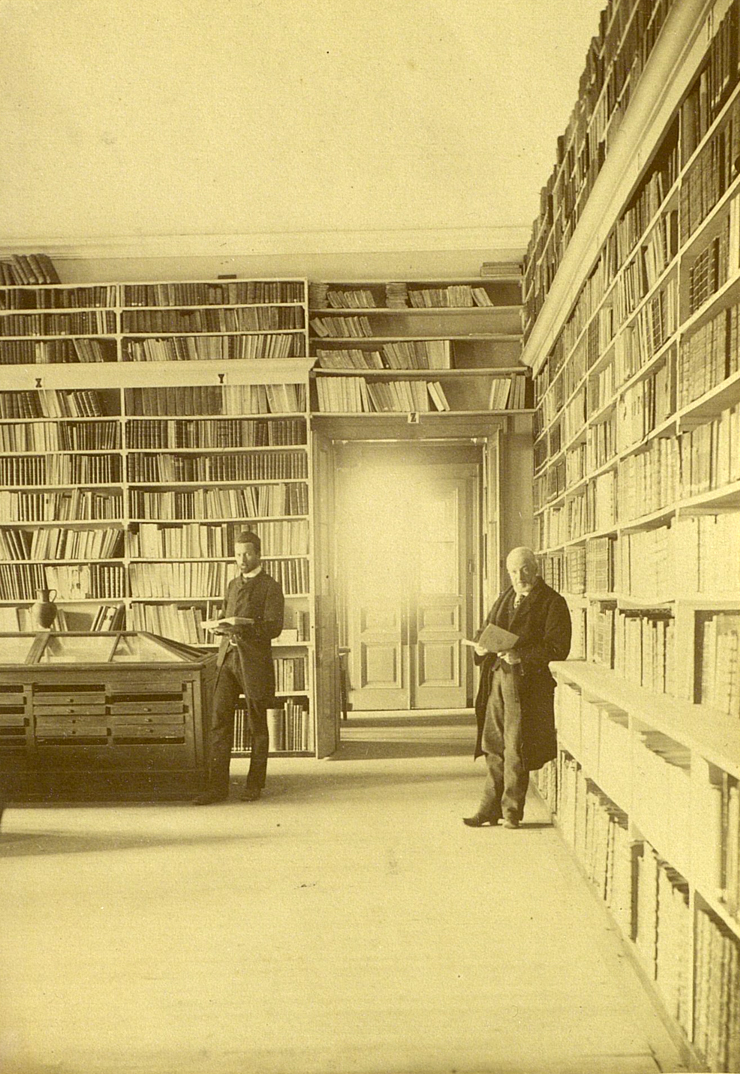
426	121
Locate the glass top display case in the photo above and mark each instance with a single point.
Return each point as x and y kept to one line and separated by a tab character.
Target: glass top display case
124	647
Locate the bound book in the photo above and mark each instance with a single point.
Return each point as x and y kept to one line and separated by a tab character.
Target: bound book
495	639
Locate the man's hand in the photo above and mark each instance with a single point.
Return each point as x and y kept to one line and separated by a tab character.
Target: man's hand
510	658
480	650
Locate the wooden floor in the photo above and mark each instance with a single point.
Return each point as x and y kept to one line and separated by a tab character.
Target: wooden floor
347	922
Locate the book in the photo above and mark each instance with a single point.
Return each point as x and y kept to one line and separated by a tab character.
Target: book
495	639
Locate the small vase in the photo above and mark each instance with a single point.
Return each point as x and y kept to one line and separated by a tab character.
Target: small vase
44	610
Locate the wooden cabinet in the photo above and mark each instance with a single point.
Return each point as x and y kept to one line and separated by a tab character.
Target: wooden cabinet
102	716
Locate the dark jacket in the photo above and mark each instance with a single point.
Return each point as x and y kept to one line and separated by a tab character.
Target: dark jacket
542	622
259	598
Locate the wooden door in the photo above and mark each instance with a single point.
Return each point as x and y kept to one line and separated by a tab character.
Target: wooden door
439	596
408	585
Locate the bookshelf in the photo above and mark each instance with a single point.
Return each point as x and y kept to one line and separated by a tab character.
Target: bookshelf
425	350
123	488
636	367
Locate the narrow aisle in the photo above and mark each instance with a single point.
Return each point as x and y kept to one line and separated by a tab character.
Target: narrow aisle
348	922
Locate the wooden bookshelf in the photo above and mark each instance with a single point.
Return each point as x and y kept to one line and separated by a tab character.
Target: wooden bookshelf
421	348
123	489
637	505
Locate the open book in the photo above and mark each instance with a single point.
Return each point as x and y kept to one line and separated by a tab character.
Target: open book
495	639
226	624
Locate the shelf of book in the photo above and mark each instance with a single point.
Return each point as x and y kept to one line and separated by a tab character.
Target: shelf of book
205	417
373	354
637	516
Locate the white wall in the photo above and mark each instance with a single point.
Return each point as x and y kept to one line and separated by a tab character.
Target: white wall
281	125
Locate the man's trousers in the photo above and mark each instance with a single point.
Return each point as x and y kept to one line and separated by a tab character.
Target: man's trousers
507	780
225	698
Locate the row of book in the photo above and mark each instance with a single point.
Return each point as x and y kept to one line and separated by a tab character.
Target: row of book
208	578
290	728
614	66
225	319
645	405
72	505
167	468
184	622
291	674
642	272
102	618
718	678
48	436
77	323
661	793
599	449
321	295
51	403
401	354
597	831
401	295
81	349
649	481
712	172
710	454
215	433
51	543
715	262
713	85
716	992
280	538
723	840
290	344
456	296
21	581
52	298
342	327
702	459
28	268
98	469
355	395
217	399
709	355
213	293
257	501
643	647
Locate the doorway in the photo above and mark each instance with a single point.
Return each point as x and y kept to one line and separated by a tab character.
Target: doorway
408	564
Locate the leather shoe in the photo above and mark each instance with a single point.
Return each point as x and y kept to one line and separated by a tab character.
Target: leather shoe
479	819
251	794
208	797
511	821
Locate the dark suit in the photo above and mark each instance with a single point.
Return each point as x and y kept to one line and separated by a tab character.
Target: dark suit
514	706
244	665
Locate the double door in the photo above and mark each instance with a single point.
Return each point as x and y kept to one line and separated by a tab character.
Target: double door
409	573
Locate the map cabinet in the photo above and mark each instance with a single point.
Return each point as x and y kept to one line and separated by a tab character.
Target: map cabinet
116	715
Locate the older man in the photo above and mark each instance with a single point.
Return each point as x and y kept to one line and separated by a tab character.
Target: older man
514	706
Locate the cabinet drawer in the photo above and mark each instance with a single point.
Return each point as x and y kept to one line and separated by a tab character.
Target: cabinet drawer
59	709
117	708
11	699
129	719
72	727
70	696
144	732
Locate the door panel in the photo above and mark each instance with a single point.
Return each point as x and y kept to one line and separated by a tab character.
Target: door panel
407	581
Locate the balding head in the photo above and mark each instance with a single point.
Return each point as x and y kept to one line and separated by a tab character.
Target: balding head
521	564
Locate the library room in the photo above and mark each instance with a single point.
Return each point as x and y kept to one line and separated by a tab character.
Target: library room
370	537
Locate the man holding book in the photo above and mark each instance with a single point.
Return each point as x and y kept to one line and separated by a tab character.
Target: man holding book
252	617
528	626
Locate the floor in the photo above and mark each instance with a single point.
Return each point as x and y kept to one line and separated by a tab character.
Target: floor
348	923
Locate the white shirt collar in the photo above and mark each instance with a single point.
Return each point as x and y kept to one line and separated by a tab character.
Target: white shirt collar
252	574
